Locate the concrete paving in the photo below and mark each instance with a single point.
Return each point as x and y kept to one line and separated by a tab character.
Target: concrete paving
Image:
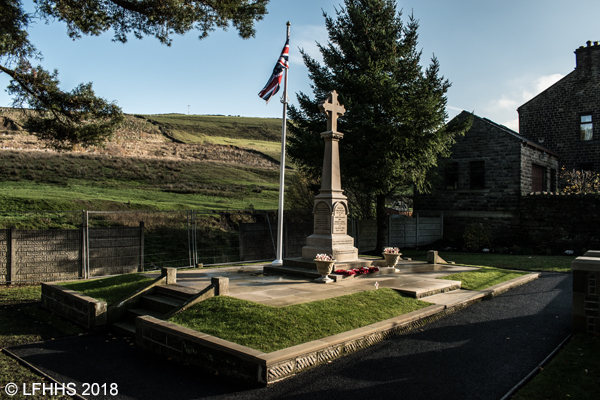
280	290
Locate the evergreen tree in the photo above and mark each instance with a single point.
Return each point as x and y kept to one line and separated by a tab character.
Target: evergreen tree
79	116
394	125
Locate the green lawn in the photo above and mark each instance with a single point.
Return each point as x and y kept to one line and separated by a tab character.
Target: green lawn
483	278
507	261
110	289
268	329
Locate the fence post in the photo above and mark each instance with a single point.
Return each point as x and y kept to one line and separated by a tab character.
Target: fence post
189	234
195	240
417	236
11	265
87	244
141	266
83	251
241	240
404	224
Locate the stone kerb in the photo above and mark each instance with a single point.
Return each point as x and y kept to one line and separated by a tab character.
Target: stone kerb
217	355
78	308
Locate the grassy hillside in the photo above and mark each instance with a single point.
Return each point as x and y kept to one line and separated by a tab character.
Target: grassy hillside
194	128
260	134
215	163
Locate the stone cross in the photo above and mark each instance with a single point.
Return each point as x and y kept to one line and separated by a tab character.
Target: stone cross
333	109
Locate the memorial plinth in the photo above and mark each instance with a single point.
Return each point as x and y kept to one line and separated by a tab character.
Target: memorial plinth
330	234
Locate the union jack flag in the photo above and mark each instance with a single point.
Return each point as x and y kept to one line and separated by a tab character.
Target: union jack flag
272	86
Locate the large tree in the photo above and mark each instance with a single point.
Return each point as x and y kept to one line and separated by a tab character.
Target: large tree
395	124
79	116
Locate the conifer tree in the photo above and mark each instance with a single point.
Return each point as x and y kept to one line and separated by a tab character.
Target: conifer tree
395	122
79	116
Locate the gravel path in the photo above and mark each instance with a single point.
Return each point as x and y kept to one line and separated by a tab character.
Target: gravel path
480	352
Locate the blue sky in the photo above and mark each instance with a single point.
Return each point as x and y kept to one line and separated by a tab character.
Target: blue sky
497	54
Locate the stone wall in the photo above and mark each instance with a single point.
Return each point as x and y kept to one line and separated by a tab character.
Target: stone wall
59	254
552	118
560	221
76	307
115	250
586	296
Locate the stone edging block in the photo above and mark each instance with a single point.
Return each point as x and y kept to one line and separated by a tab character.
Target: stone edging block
81	309
505	286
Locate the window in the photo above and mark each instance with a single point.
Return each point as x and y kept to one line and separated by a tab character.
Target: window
538	178
586	127
451	176
477	174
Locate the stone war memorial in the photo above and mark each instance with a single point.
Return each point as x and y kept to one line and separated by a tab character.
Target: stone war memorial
331	206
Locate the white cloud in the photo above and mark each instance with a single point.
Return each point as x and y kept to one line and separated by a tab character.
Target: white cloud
504	103
306	37
512	124
517	93
544	82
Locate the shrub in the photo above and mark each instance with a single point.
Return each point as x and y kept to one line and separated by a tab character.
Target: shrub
477	236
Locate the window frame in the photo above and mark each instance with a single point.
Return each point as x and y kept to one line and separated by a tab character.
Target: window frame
477	179
451	172
589	127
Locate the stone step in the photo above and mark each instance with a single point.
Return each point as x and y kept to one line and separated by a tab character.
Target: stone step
311	265
313	274
124	328
160	303
426	288
175	291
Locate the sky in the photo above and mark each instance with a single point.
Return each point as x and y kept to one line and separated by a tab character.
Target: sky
496	54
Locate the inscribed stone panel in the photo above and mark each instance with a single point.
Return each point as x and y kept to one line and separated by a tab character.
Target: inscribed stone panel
340	221
322	219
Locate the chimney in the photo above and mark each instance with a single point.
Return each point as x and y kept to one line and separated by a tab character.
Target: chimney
587	58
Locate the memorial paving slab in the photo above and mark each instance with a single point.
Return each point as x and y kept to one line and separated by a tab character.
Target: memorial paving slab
479	352
280	290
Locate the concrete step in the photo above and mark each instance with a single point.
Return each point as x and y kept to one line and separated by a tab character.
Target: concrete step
311	265
313	274
177	292
133	313
124	328
160	304
426	288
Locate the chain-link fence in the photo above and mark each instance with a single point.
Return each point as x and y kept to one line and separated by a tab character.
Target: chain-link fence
48	246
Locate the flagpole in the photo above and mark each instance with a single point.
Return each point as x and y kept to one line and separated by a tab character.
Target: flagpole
279	256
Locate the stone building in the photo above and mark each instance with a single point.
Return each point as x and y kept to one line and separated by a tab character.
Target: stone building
565	118
489	170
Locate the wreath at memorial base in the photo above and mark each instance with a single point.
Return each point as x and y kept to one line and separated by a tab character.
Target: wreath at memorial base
357	271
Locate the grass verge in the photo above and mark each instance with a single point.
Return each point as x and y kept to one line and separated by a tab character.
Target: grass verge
573	374
483	277
506	261
22	322
110	289
268	329
20	294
